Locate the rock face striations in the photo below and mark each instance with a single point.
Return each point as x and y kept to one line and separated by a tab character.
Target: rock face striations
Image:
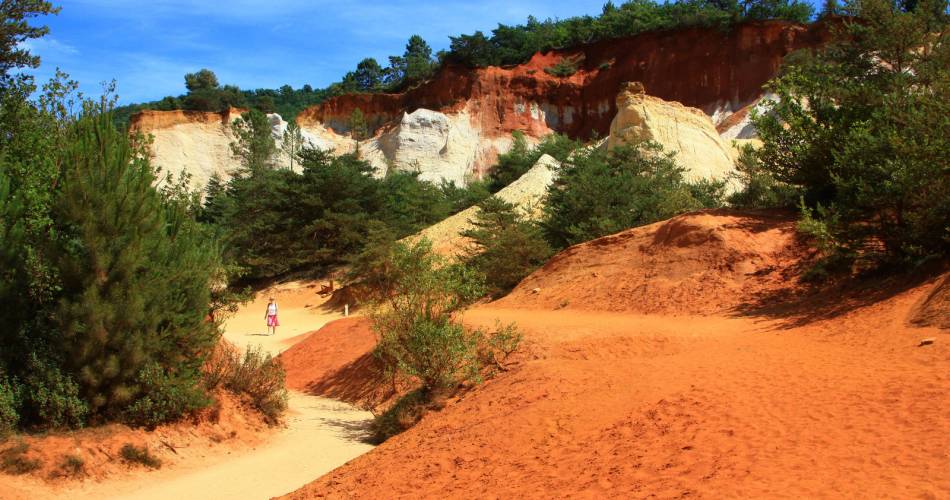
687	131
454	125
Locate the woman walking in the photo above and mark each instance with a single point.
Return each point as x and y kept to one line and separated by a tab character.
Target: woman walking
271	316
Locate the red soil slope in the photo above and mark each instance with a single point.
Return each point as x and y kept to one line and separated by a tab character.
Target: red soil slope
825	395
699	67
337	362
691	264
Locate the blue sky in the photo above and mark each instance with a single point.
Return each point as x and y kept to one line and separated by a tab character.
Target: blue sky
148	45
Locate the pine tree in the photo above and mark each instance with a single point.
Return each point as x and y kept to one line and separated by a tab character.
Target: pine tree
255	146
291	142
135	273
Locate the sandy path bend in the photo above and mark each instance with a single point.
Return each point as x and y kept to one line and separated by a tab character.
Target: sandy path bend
320	434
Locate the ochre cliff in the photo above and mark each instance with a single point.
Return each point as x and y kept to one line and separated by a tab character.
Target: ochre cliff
454	126
716	71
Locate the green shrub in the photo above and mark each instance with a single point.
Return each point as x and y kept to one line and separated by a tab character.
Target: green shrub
163	398
13	460
500	344
136	273
507	247
418	337
258	375
860	127
757	188
521	157
599	193
51	398
72	466
439	352
132	454
9	407
564	68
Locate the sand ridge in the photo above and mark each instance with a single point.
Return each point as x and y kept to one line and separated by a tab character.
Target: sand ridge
717	401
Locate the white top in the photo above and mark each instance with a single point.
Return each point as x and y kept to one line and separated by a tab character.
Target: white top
272	309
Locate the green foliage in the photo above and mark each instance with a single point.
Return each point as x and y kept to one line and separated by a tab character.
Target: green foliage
414	66
135	271
563	68
163	397
409	204
204	79
359	129
17	30
279	221
49	398
458	198
757	187
516	44
255	146
72	466
139	455
861	128
417	295
255	374
599	193
9	407
14	460
521	157
292	142
507	247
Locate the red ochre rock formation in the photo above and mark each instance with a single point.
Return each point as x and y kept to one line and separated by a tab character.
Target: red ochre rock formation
149	120
717	71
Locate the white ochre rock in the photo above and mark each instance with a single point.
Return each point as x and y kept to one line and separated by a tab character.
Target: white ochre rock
687	131
438	146
526	194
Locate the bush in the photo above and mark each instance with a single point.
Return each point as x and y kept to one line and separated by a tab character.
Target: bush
136	273
439	352
258	375
860	128
139	455
564	68
500	344
9	407
599	193
13	460
757	187
163	398
49	397
416	293
521	157
72	466
506	248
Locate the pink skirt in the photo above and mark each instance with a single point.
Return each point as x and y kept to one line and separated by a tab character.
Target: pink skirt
272	321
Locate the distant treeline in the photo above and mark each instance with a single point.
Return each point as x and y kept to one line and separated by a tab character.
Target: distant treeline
506	45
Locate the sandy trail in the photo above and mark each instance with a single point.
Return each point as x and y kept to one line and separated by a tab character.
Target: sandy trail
319	434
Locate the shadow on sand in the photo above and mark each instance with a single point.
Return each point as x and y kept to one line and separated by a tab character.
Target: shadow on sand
360	382
799	304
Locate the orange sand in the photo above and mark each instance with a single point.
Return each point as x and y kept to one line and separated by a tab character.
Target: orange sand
743	386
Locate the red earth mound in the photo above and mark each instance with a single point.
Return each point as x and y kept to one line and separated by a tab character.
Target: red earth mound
837	403
696	263
337	362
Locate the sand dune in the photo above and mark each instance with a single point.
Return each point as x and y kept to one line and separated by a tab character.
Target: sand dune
734	394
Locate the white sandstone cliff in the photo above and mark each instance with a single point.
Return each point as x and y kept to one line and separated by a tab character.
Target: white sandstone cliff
687	131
